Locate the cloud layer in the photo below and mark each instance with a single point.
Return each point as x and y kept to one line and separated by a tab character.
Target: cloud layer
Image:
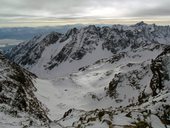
32	10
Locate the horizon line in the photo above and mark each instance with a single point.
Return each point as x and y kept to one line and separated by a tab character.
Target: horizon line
61	22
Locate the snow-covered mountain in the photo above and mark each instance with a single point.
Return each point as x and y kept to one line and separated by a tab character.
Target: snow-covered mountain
101	76
55	54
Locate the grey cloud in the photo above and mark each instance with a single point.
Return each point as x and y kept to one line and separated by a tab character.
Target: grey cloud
155	12
152	9
82	8
60	8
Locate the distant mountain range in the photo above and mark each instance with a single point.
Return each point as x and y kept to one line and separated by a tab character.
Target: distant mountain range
25	33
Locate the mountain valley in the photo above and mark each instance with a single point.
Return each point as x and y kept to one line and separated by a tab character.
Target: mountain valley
91	77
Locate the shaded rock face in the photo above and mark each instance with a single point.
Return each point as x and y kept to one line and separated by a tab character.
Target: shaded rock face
112	88
17	90
61	56
160	72
69	33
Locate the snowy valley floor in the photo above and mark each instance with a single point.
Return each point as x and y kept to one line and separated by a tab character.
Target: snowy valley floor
83	93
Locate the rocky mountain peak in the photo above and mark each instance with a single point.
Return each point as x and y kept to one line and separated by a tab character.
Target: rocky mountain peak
142	23
69	34
51	38
91	28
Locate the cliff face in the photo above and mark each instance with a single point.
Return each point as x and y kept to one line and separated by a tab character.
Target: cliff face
17	92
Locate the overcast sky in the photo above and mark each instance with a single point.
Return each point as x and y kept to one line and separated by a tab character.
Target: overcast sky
59	12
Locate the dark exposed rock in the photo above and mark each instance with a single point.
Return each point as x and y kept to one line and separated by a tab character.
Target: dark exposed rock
78	54
61	56
159	72
116	57
111	91
70	34
17	90
142	23
67	113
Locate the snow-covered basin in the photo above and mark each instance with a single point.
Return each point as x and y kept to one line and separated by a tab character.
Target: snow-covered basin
74	91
